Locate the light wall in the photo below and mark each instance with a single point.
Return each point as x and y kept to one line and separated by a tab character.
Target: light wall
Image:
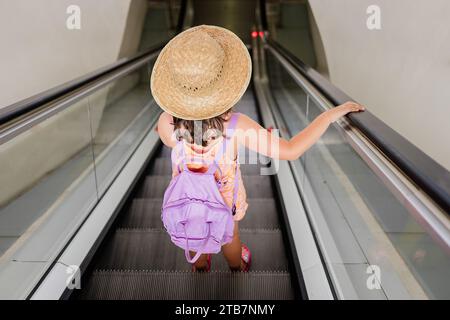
40	52
401	72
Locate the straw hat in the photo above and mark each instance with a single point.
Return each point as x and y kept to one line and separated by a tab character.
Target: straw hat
201	73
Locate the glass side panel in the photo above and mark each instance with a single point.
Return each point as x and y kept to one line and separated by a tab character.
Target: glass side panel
379	249
121	114
159	23
289	20
39	168
54	173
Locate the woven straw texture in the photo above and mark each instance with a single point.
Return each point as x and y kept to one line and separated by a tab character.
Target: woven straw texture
201	73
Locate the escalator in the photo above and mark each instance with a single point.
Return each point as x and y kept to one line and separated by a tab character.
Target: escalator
361	199
138	260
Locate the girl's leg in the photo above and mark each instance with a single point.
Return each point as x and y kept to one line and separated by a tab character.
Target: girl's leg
232	251
202	263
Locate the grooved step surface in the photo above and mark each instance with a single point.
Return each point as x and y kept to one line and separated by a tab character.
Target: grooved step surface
152	249
146	213
165	152
162	285
255	186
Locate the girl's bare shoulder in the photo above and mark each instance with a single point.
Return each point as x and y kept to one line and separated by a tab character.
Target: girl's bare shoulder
165	119
244	122
165	129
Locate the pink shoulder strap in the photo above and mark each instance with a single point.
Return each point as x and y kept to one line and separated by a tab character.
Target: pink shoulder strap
233	120
179	150
229	133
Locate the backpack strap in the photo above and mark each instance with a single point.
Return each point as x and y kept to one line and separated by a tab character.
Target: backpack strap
235	189
229	135
233	120
177	154
199	252
182	155
232	126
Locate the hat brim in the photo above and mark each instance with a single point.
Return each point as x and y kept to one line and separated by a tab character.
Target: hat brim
214	100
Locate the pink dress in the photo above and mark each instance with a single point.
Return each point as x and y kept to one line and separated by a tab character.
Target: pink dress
227	166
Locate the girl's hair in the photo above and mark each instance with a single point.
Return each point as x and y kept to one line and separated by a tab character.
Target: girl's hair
211	129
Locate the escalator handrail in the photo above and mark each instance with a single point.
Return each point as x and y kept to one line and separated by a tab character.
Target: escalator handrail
182	16
27	105
425	172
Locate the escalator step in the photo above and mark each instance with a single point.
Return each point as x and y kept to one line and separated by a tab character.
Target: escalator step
256	186
165	152
162	285
153	187
151	249
146	213
163	166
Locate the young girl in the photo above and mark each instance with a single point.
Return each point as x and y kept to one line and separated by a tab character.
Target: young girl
197	79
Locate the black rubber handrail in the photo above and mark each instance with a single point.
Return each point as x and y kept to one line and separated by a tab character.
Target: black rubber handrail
181	16
263	14
425	172
29	104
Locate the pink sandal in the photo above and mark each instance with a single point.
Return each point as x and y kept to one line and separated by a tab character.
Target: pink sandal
208	261
246	256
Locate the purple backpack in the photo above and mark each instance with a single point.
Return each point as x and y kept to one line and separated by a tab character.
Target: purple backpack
193	210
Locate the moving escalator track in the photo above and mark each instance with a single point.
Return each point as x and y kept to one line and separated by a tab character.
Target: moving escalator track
138	261
86	175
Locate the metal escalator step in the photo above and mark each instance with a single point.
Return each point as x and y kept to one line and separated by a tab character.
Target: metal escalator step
153	187
151	249
143	213
146	213
267	248
165	152
255	186
258	186
176	285
163	166
250	169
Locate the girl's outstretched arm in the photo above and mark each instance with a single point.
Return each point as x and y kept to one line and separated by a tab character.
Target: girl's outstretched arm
258	139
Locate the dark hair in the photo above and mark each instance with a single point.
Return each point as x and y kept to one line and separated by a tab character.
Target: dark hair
193	132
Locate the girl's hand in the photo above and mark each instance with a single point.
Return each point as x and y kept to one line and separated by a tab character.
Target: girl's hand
339	111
